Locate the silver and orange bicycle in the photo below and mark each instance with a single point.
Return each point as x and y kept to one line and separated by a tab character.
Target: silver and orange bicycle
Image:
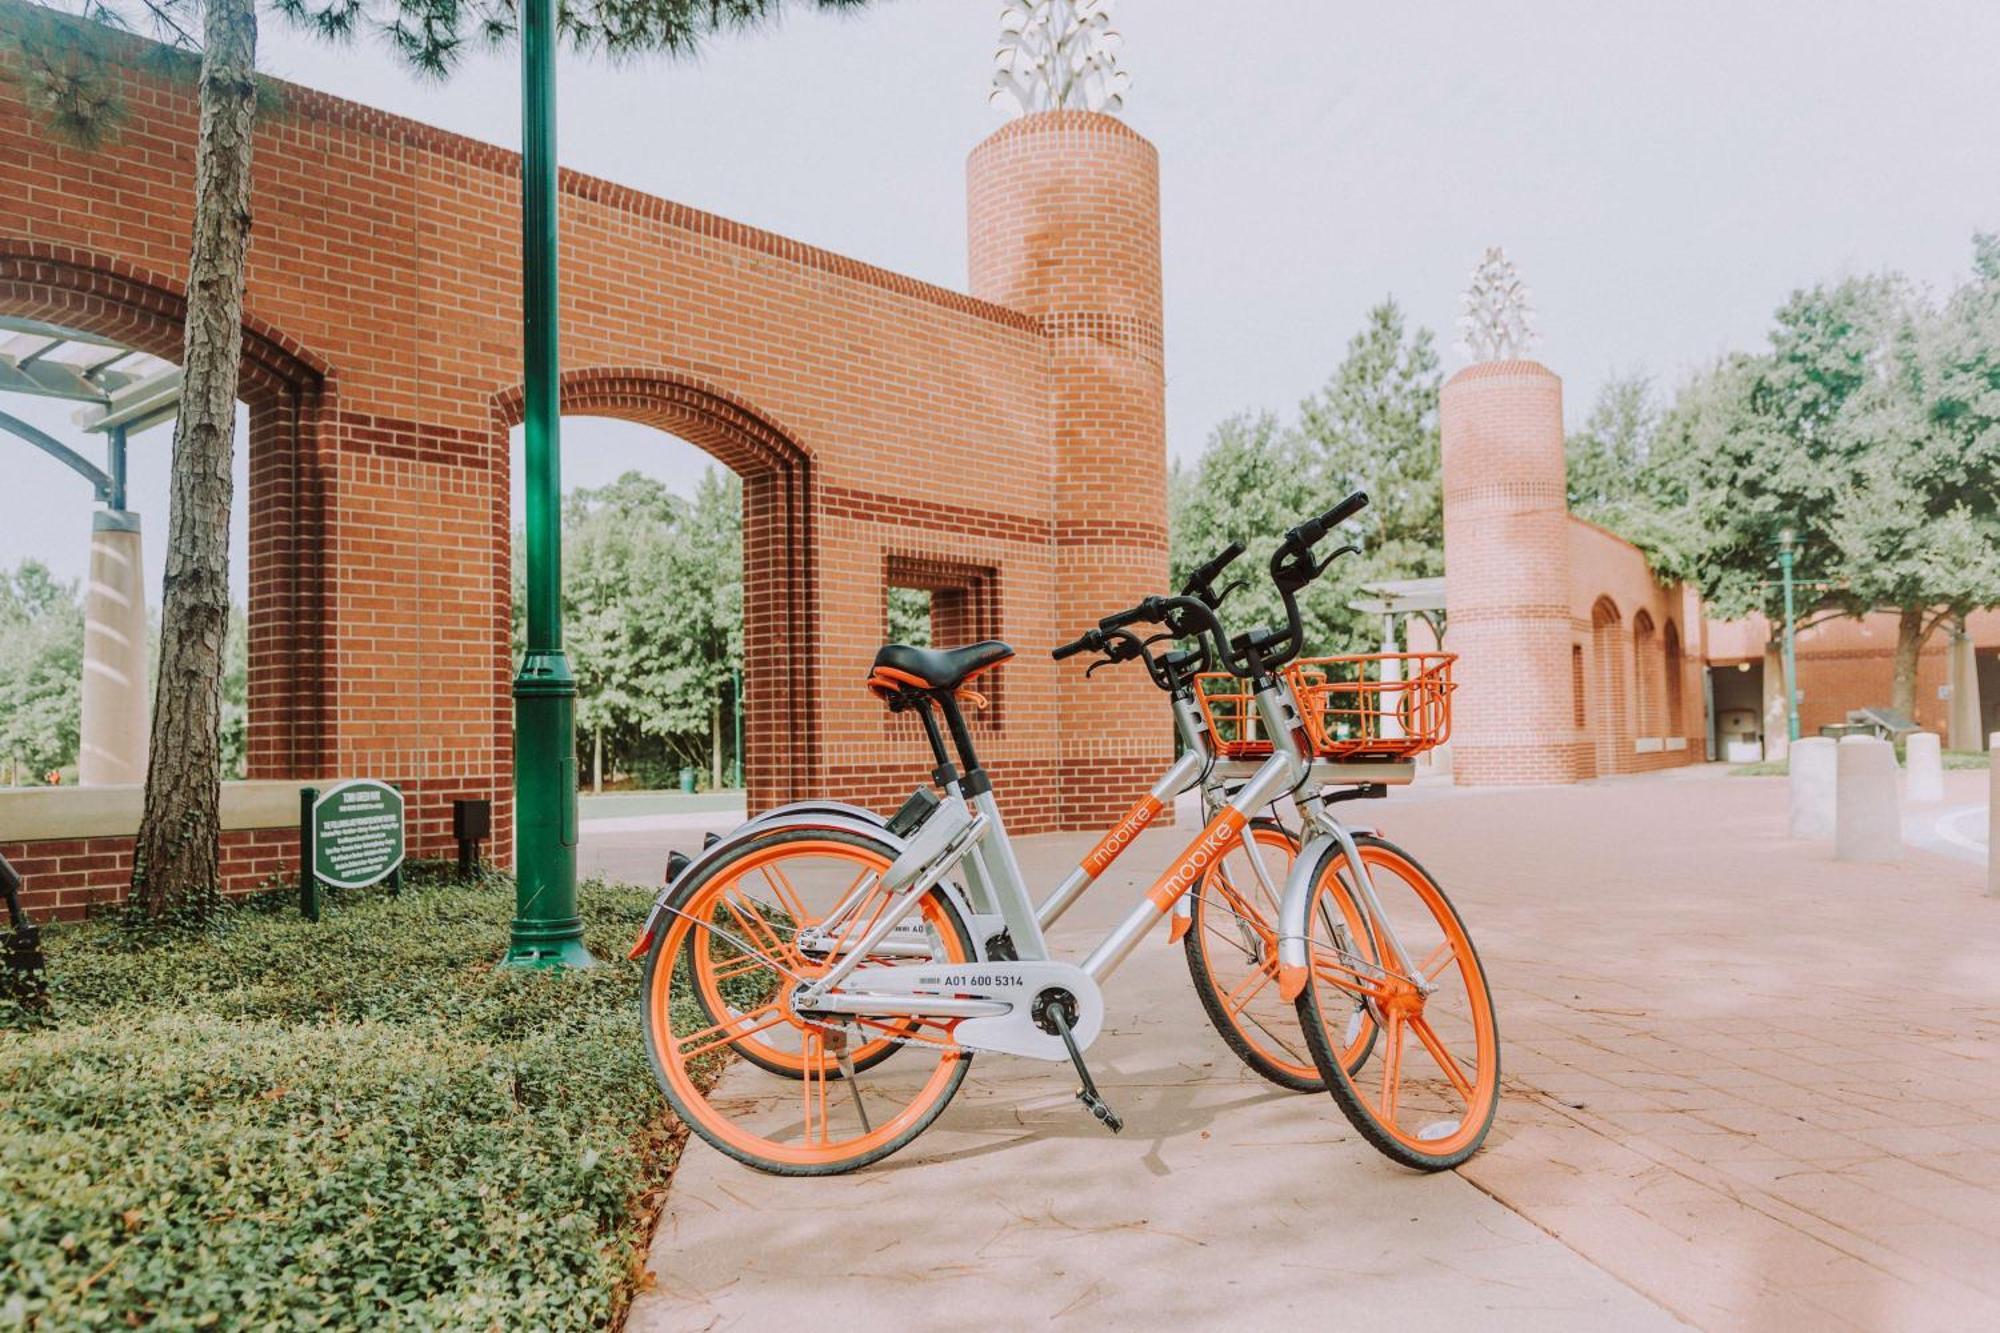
843	965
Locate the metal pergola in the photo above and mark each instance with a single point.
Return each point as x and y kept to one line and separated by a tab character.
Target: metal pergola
123	391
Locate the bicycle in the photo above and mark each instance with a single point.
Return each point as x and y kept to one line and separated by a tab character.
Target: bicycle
723	972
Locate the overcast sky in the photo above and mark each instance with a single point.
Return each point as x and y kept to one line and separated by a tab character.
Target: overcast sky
1664	174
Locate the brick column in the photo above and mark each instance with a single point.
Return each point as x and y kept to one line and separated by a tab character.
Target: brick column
1506	559
1064	214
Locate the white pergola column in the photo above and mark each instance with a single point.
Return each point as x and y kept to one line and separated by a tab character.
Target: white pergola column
116	699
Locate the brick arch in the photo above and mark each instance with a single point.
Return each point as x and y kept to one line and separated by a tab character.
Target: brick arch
289	391
780	556
1609	723
1670	652
1646	675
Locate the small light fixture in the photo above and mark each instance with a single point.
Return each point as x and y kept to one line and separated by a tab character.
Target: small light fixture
1742	666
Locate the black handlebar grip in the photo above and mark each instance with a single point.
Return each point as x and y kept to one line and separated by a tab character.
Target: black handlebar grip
1071	649
1206	574
1309	532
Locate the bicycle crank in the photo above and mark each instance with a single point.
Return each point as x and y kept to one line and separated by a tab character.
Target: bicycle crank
1054	1010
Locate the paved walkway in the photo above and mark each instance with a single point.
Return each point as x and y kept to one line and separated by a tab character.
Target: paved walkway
1748	1088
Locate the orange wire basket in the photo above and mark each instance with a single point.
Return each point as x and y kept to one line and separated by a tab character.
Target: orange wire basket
1361	706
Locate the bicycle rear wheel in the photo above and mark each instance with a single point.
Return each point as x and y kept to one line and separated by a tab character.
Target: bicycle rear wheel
1429	1097
814	1094
1232	957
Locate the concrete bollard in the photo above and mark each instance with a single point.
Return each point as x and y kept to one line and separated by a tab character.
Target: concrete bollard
1812	770
1992	819
1923	758
1868	820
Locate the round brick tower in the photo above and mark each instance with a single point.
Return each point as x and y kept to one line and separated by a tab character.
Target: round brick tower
1063	210
1506	560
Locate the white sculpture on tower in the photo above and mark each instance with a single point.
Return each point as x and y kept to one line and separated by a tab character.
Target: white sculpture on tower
1058	55
1495	321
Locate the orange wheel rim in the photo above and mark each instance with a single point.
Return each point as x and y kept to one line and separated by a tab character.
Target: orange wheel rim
1432	1084
813	1094
1239	995
740	910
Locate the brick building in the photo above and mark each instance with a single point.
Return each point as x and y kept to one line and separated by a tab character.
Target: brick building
1003	449
1576	662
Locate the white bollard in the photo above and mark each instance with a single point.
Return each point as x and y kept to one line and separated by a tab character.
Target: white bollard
1812	768
1868	821
1924	776
1992	819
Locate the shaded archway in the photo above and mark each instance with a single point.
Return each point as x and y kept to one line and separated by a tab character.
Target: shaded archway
780	645
288	391
1647	700
1608	714
1676	669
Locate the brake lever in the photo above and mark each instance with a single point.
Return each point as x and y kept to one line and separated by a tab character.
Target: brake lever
1098	665
1223	596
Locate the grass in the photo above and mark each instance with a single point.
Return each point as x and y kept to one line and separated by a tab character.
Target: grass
362	1123
1954	760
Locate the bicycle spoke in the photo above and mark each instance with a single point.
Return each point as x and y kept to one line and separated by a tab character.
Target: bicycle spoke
1247	989
1435	1045
788	895
730	1031
760	931
1437	961
1392	1067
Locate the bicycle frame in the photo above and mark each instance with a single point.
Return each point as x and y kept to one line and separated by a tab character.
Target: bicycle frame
989	849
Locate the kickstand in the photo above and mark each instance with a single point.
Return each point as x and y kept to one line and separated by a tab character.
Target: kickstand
1087	1094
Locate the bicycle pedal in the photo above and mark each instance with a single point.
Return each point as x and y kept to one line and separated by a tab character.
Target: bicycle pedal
1097	1107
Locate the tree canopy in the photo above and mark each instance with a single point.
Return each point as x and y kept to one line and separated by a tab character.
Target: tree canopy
653	602
1372	426
1869	429
41	669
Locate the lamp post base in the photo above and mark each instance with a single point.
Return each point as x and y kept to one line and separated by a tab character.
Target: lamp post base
534	946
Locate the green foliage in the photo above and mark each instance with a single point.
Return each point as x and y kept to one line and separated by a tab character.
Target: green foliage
1870	428
360	1123
1372	426
653	614
41	669
909	612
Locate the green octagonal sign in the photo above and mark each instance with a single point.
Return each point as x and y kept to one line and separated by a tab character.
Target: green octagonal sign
357	834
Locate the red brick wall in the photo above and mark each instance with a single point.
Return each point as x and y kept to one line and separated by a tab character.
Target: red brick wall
1507	576
1064	219
869	413
64	878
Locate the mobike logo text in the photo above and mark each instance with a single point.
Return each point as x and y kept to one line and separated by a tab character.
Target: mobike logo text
1216	839
1111	844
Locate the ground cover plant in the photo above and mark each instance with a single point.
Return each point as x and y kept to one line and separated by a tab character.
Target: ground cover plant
356	1124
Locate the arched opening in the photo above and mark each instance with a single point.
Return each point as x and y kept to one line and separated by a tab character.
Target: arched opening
780	750
1647	701
1608	714
1676	671
283	391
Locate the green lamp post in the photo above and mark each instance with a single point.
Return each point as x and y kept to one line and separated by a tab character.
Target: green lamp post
1787	553
547	931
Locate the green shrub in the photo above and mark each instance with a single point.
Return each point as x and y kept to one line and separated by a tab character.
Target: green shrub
360	1123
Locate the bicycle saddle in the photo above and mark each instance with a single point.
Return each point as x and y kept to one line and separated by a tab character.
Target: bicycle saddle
944	668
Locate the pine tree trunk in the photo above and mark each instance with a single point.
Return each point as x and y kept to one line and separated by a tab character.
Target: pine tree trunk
1910	638
175	866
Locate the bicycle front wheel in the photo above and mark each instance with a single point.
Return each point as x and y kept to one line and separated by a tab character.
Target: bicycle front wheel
1232	957
812	1093
1428	1097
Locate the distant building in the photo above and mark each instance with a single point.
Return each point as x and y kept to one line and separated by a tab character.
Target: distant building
1575	661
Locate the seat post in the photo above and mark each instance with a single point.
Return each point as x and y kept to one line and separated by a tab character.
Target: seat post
945	773
976	780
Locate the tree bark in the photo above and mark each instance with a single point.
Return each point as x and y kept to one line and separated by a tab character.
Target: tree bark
175	866
1910	635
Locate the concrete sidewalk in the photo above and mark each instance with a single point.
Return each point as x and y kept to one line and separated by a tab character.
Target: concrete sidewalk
1748	1087
1225	1203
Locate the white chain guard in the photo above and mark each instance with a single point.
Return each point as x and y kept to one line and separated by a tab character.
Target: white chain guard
1014	984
